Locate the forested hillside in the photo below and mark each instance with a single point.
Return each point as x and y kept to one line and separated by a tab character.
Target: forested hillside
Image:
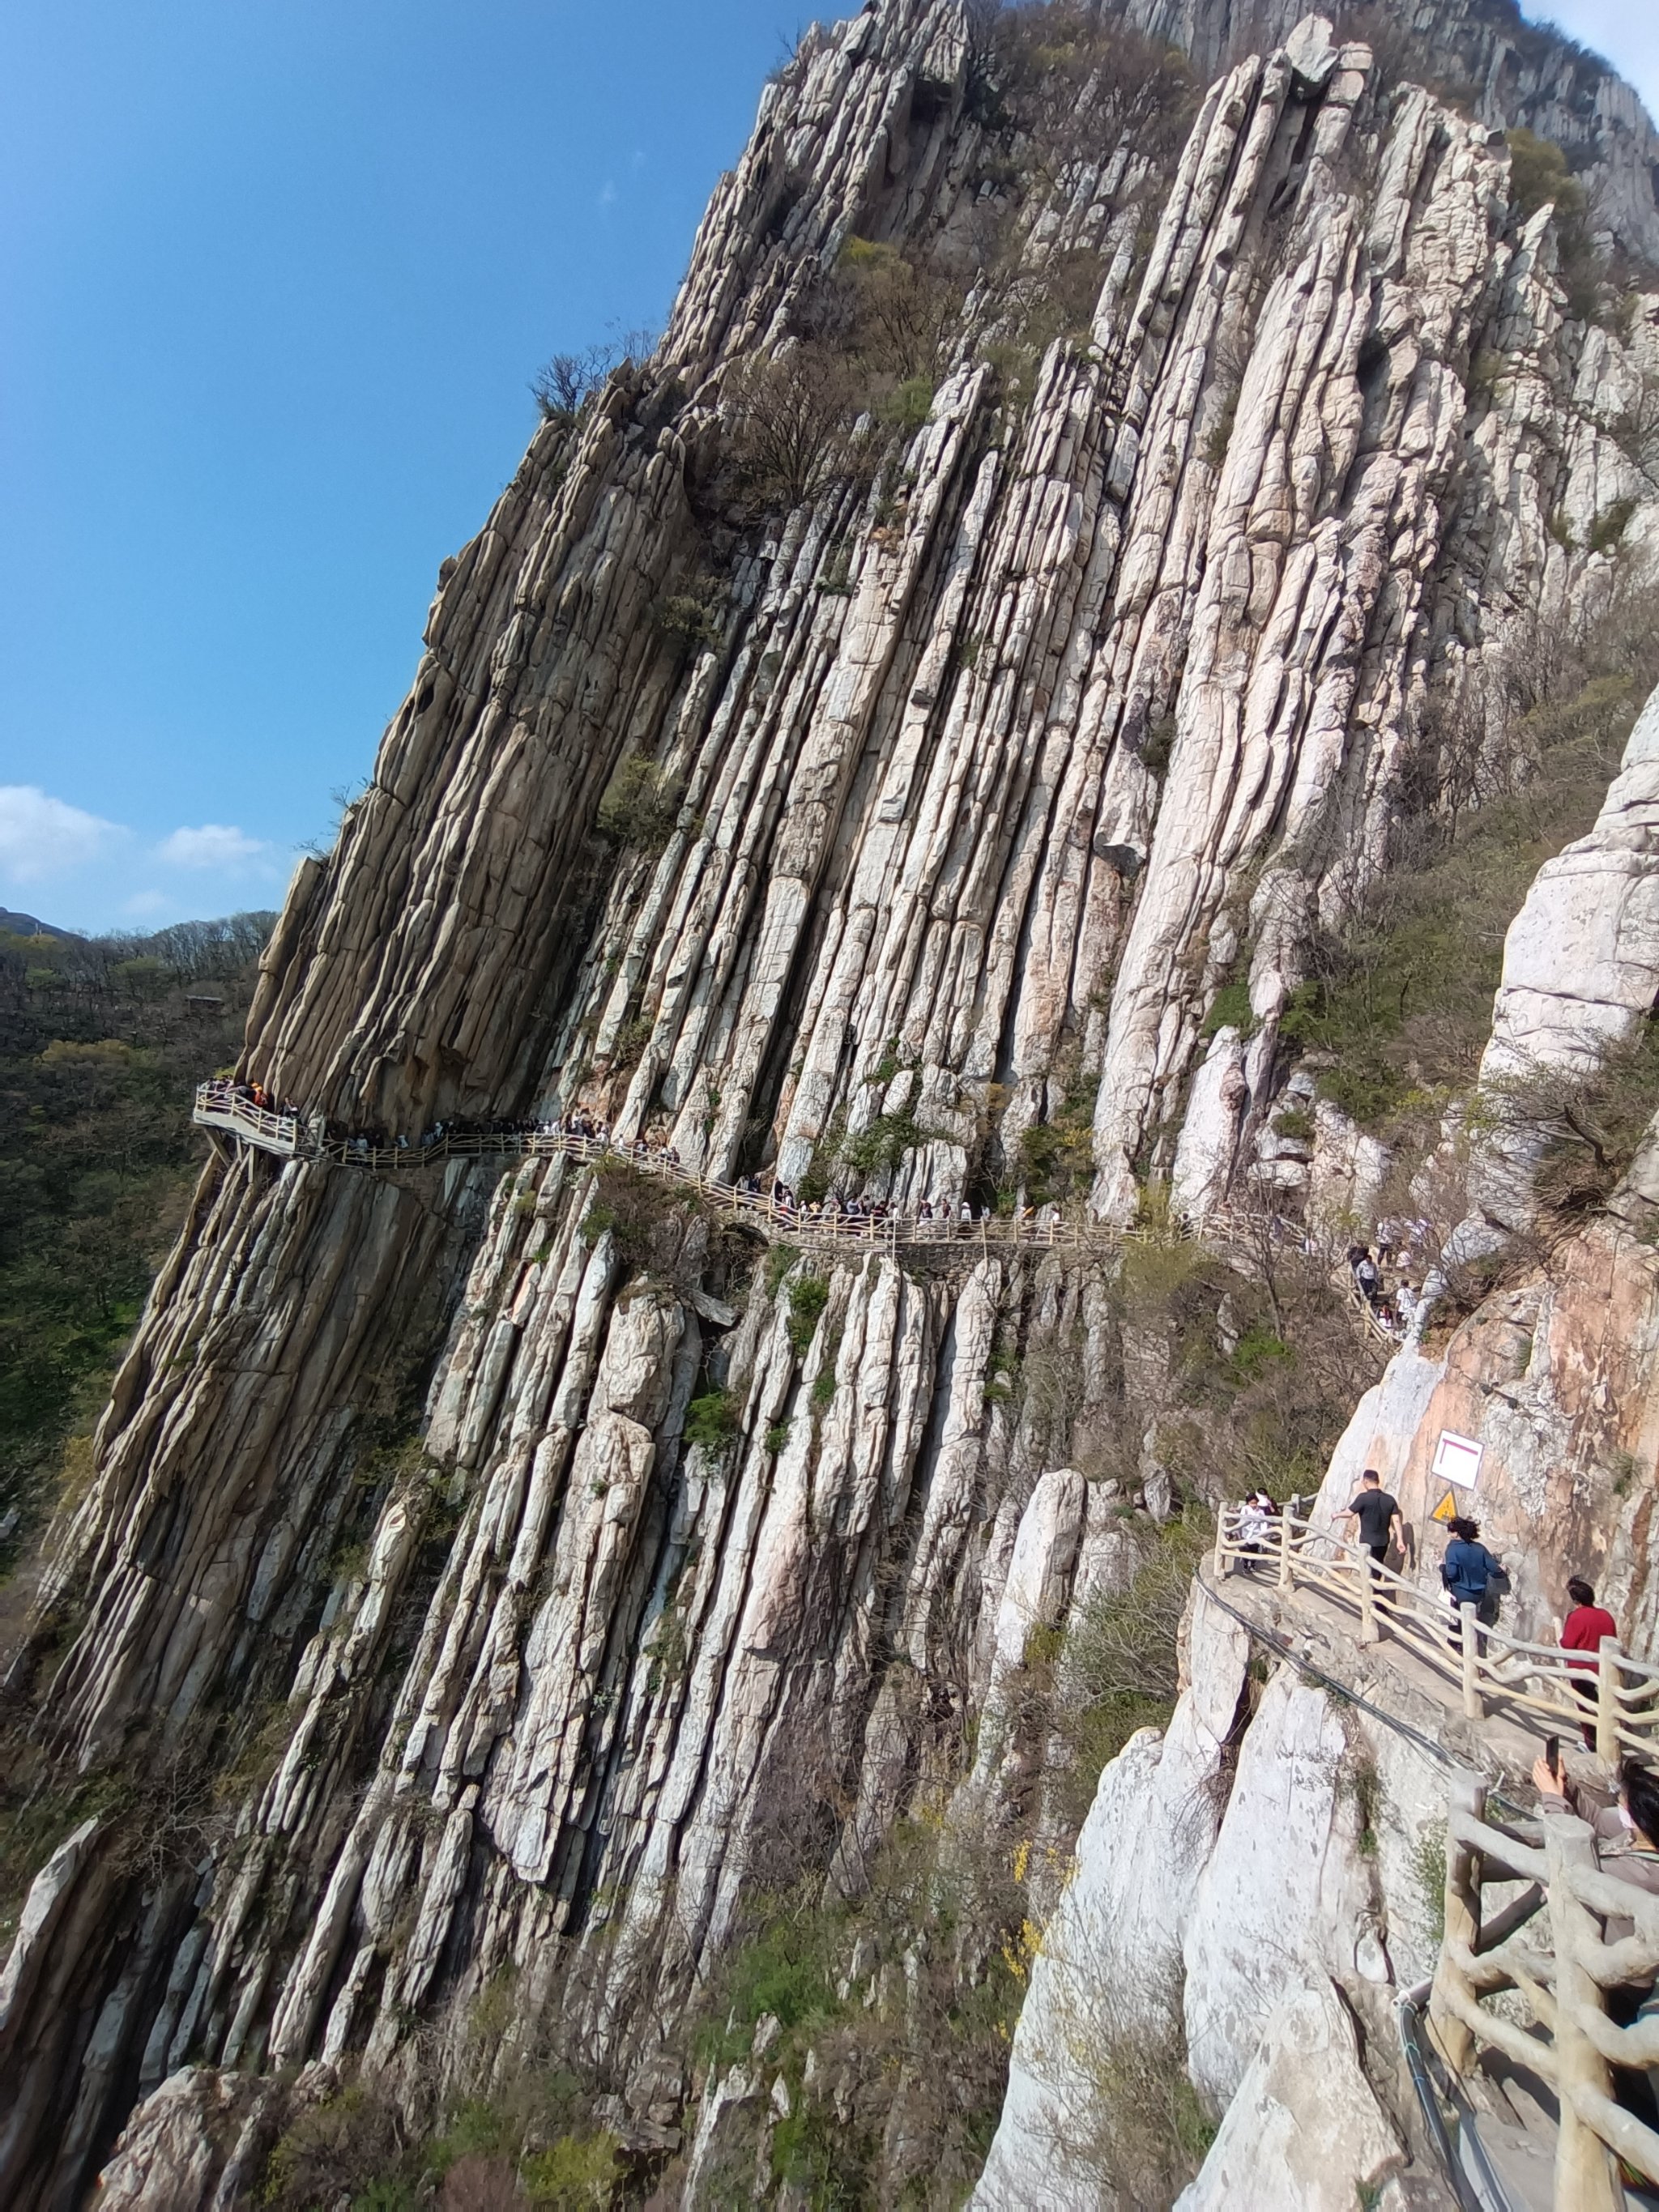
102	1041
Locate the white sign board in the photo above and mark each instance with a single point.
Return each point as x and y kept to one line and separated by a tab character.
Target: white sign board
1457	1459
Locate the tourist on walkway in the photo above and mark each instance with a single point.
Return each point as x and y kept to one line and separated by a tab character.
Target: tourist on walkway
1377	1512
1624	1832
1256	1519
1581	1632
1365	1272
1472	1576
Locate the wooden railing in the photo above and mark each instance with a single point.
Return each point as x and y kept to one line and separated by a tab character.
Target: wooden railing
1533	1683
1562	1981
220	1106
217	1107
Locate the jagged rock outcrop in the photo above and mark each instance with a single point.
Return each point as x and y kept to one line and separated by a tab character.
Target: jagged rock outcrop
993	764
1581	975
1508	70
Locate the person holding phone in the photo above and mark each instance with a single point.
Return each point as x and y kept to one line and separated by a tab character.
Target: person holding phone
1627	1850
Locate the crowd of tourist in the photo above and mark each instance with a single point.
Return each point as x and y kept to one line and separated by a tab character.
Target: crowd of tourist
224	1093
1389	1272
1470	1574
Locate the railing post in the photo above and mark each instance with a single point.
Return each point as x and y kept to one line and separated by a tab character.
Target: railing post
1367	1601
1221	1562
1461	1924
1285	1549
1472	1707
1586	2177
1606	1702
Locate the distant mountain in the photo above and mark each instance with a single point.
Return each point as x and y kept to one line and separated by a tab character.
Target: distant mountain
29	924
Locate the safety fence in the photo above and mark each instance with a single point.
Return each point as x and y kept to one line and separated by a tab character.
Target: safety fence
1534	1684
1551	1945
950	1235
219	1108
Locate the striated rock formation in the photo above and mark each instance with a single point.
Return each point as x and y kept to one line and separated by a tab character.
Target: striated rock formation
1483	52
1079	689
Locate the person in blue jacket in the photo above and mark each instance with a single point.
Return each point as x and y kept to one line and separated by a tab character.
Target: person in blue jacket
1472	1576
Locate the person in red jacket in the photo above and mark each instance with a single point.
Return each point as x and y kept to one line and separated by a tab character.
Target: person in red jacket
1583	1630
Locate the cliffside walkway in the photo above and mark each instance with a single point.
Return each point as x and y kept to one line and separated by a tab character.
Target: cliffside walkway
1556	1950
946	1238
1485	1670
288	1136
1520	2100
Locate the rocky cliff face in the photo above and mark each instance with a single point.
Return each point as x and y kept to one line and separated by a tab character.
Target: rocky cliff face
985	798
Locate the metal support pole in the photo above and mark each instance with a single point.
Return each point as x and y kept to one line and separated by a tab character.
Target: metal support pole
1367	1600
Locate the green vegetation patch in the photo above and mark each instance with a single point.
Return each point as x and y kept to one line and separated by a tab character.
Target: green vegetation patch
1398	1008
640	805
713	1420
1056	1157
102	1043
808	1296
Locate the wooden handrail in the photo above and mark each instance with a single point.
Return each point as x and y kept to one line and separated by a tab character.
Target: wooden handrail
1562	1988
1487	1666
218	1107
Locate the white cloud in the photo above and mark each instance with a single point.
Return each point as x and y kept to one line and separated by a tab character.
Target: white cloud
146	906
214	845
607	193
41	837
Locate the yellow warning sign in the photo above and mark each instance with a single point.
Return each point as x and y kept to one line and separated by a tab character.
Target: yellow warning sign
1445	1510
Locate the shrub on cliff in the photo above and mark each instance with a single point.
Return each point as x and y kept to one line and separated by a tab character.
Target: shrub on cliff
808	1296
713	1420
1073	84
1540	177
1582	1128
648	1218
339	2149
791	428
1118	1668
566	386
578	2174
640	805
901	314
1117	2095
1056	1157
1398	1006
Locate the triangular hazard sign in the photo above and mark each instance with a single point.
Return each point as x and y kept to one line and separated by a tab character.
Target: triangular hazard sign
1445	1510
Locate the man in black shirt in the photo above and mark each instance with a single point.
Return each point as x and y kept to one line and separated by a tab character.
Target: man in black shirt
1377	1514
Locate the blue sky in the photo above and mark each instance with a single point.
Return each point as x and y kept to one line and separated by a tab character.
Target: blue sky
273	280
